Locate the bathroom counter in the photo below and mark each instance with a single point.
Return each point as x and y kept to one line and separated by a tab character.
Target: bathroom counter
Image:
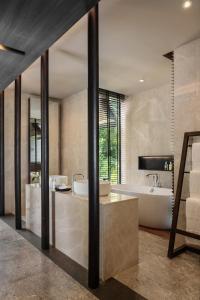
69	227
110	199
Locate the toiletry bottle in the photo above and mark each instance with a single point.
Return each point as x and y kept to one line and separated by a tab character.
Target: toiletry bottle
170	166
166	166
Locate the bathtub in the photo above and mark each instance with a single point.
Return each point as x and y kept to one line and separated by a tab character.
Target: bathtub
155	204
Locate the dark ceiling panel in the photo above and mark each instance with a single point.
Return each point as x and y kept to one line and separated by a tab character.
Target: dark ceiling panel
33	26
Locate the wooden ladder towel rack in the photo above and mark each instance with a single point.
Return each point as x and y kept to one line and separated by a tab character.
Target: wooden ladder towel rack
172	252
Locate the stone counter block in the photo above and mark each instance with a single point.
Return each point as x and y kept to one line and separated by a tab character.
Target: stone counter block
69	228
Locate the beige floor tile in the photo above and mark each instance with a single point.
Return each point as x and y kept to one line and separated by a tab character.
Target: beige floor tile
157	277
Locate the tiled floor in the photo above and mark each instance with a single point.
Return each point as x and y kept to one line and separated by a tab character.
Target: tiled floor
162	233
25	273
159	278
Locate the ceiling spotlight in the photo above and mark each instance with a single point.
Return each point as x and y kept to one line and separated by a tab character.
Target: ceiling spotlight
187	4
10	49
141	80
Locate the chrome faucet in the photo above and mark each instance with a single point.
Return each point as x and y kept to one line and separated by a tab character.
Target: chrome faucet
156	181
74	179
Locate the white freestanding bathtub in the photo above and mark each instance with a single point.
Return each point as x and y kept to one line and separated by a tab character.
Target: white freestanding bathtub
155	204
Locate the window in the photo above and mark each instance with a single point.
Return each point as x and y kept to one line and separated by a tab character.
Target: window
110	135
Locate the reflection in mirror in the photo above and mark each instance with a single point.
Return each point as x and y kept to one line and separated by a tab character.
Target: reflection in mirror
34	137
34	140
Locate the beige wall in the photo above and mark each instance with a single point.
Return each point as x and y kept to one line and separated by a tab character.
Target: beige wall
9	149
54	137
187	98
187	107
9	146
74	135
147	132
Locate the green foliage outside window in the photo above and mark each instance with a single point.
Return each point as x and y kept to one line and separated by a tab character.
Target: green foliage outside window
109	143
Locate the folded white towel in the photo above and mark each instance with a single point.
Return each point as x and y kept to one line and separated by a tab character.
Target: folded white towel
196	156
195	184
196	165
193	219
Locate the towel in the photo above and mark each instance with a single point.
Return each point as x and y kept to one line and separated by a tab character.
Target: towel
193	219
196	156
195	184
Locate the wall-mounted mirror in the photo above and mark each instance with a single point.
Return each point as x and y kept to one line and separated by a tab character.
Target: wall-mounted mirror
34	137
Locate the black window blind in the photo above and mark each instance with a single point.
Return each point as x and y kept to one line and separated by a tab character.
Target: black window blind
110	111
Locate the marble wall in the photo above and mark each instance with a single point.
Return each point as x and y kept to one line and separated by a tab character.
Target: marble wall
187	98
9	149
74	135
9	146
187	107
146	132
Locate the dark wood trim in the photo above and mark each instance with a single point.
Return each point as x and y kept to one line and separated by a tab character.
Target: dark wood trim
174	230
45	149
93	146
2	156
54	18
29	142
119	142
193	249
189	234
178	251
17	138
60	137
178	195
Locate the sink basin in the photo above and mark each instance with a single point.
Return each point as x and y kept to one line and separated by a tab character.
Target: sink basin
58	180
81	188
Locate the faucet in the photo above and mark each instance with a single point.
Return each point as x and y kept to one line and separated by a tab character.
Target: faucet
74	179
156	181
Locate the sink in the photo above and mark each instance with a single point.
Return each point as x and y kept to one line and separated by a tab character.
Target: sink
57	180
81	188
105	188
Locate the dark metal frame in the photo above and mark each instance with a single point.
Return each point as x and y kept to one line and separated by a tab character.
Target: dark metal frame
119	142
18	222
93	146
29	142
45	150
172	252
2	157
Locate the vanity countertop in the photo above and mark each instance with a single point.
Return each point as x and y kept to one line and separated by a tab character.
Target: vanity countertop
110	199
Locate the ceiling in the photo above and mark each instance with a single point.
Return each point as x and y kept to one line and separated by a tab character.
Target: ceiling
134	36
32	26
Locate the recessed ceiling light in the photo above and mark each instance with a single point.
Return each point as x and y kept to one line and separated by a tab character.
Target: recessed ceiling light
141	80
187	4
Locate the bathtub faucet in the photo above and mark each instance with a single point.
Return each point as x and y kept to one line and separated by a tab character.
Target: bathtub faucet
156	181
